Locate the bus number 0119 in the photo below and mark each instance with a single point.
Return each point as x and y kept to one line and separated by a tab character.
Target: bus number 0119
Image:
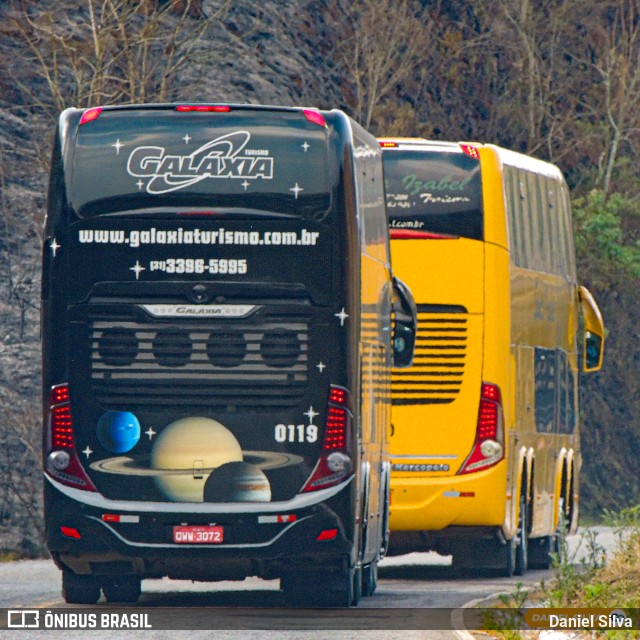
296	433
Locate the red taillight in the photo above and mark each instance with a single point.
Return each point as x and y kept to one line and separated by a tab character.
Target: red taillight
489	412
470	150
386	144
488	448
62	461
59	394
110	517
335	463
335	436
70	532
339	395
61	428
90	115
327	534
411	234
216	108
314	116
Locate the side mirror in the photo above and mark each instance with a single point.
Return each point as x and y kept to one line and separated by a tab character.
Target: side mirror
405	324
593	346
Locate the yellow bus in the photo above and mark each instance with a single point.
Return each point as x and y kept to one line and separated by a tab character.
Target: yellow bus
485	440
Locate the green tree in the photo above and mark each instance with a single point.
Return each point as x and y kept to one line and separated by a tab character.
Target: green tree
599	237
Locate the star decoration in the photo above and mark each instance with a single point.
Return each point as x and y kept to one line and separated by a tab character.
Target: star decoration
150	432
245	184
186	138
296	190
137	269
88	451
321	366
343	315
139	184
311	414
117	144
54	246
305	146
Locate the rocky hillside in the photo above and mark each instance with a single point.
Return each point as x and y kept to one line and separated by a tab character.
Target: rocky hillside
59	53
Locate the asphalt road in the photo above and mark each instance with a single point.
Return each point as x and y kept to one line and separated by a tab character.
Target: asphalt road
419	591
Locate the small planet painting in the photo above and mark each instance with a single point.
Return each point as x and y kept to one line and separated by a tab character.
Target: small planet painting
195	445
118	431
237	482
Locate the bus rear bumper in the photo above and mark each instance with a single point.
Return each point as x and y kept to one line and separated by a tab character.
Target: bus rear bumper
259	544
435	503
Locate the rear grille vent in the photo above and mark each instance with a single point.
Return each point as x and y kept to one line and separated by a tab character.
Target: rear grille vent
438	370
255	364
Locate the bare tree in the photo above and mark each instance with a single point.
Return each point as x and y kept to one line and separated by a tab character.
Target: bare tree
536	35
108	51
21	487
618	64
379	43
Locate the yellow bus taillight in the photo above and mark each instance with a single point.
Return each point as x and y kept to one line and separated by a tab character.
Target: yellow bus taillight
488	448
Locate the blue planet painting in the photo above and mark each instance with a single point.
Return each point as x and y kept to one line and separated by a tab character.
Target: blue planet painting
118	431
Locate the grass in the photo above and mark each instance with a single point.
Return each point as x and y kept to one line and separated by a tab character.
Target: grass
591	583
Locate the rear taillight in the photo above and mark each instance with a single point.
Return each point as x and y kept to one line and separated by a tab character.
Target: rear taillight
314	116
488	448
387	144
204	108
62	461
470	150
90	114
335	464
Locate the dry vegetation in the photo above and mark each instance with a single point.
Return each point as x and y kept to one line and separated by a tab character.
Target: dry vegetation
593	583
558	79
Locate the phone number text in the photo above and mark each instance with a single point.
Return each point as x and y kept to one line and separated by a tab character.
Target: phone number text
228	266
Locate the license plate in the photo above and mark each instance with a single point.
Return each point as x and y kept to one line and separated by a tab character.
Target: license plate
198	535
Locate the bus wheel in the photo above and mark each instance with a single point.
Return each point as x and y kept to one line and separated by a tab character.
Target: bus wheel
539	552
493	555
121	588
357	587
369	579
321	588
79	589
522	543
560	539
508	565
542	550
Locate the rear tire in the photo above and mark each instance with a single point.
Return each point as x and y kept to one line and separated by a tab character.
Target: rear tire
559	541
321	588
522	559
542	550
79	589
370	579
508	565
126	588
357	587
539	553
486	555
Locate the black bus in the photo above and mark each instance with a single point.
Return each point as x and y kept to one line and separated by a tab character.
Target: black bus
219	321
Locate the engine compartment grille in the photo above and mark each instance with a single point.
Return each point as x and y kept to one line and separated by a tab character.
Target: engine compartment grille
438	370
258	363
